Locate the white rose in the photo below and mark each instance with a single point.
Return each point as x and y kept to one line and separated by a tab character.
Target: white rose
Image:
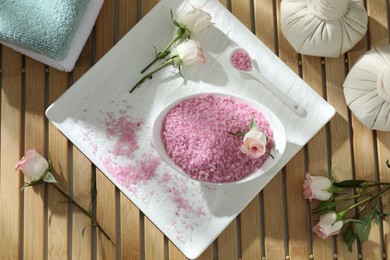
33	165
186	53
328	226
193	18
254	144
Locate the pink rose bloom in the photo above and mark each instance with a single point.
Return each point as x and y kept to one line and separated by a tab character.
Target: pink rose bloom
33	165
254	144
316	187
186	53
328	225
193	18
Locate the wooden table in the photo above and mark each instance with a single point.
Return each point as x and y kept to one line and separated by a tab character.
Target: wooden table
37	224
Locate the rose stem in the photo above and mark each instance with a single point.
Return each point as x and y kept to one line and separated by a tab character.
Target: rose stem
83	210
149	75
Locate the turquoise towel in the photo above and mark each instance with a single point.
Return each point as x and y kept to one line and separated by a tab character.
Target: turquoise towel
42	26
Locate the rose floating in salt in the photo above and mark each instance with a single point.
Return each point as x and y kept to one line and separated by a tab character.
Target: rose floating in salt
195	135
255	141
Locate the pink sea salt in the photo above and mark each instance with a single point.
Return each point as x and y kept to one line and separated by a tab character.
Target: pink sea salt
125	129
195	136
241	60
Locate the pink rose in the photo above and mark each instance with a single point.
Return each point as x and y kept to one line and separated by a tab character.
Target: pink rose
328	225
33	165
254	144
186	53
193	18
316	187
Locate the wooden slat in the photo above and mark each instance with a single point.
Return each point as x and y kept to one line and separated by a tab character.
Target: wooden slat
227	242
11	124
154	242
175	253
264	17
363	137
242	10
379	35
353	55
296	209
207	254
34	225
82	174
130	230
340	135
383	154
128	12
250	231
365	169
273	219
317	147
286	53
106	216
377	23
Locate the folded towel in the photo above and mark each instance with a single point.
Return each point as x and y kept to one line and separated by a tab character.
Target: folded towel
50	31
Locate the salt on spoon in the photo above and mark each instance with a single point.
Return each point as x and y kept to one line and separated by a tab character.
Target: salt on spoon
241	60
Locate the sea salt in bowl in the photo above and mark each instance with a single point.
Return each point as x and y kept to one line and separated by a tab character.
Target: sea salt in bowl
192	135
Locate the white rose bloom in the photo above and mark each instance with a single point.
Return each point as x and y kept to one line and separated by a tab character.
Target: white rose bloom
33	165
193	18
187	52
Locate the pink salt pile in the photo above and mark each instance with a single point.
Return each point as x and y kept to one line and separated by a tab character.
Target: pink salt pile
241	60
195	136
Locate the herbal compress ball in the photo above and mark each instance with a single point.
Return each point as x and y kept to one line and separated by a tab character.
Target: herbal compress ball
325	28
367	88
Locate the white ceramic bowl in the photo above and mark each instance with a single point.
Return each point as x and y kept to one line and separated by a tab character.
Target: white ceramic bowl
277	127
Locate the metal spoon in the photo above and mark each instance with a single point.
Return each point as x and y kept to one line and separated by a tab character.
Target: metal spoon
241	60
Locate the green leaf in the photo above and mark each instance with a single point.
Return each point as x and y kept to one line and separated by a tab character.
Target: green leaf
239	134
29	184
353	220
253	125
378	220
349	237
181	29
349	183
325	206
83	231
49	178
363	228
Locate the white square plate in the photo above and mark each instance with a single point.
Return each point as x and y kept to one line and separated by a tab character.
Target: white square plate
106	122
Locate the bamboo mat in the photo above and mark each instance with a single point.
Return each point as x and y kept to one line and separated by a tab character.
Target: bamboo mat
36	224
